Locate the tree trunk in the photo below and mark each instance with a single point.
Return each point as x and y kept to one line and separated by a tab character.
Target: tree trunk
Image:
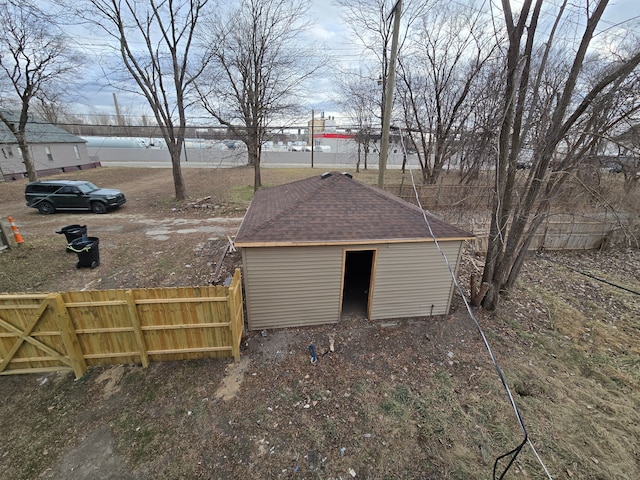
366	153
26	157
253	150
178	181
257	180
496	265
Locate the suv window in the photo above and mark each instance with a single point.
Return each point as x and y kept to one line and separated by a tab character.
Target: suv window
43	188
87	187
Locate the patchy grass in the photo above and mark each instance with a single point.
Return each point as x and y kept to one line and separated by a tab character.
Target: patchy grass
417	400
389	403
242	194
578	390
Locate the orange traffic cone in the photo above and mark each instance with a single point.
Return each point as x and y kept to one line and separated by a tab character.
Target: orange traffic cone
16	232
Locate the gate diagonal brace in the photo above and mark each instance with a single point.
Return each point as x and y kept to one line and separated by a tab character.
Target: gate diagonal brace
24	336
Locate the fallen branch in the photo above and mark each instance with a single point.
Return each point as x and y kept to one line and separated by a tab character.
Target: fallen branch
220	261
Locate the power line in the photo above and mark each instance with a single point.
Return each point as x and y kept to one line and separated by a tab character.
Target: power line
124	128
590	275
512	454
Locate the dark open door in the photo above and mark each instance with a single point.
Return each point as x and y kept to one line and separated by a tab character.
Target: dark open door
356	285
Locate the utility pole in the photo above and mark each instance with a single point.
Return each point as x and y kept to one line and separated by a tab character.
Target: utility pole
117	107
388	100
313	123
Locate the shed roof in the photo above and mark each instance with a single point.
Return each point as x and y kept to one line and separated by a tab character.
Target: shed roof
37	131
333	209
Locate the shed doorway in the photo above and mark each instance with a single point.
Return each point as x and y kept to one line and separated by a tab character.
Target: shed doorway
356	282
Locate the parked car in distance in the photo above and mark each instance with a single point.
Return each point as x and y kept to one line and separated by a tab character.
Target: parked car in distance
523	165
48	196
615	167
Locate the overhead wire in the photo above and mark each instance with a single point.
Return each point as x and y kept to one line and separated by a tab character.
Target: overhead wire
127	128
512	454
590	275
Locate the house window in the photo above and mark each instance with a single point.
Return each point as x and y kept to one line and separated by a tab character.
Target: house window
77	152
47	150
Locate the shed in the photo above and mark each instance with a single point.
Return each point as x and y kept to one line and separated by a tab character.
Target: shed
53	149
327	246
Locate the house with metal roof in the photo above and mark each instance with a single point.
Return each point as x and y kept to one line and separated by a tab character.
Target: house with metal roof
53	149
319	249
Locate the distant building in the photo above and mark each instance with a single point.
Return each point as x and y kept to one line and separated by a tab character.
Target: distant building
118	142
53	150
327	137
315	125
335	142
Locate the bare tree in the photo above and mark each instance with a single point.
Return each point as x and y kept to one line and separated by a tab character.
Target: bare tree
51	111
358	100
258	69
477	144
371	23
371	26
439	70
629	151
36	63
557	113
619	151
155	43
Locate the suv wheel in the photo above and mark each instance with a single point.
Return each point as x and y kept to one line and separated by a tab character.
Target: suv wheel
98	207
46	208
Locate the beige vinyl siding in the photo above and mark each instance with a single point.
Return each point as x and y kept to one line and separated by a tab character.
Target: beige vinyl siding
63	155
292	286
411	277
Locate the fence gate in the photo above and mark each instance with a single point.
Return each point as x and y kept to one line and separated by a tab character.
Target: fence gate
42	332
36	335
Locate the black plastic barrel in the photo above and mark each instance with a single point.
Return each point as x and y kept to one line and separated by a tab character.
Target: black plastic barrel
72	232
87	250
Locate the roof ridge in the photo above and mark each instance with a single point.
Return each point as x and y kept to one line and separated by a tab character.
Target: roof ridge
403	203
390	196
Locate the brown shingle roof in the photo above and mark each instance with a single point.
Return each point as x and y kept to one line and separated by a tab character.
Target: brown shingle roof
36	131
335	210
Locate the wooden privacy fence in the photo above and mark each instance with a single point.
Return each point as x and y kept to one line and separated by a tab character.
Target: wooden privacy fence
474	197
469	207
559	231
75	330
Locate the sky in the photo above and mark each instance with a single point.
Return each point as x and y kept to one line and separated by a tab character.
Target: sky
326	28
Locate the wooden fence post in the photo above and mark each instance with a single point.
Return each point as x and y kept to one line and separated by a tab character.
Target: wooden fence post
4	239
68	333
137	331
236	313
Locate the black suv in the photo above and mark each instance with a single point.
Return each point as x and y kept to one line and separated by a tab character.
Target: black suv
51	195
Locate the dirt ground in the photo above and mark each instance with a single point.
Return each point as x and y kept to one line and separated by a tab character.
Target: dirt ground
405	398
